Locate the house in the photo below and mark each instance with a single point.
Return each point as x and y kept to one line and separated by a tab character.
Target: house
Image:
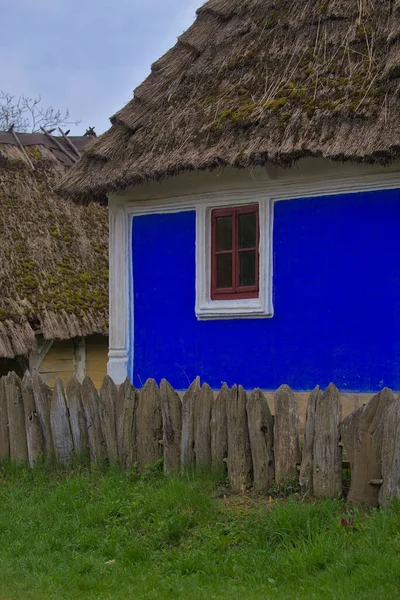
253	184
53	264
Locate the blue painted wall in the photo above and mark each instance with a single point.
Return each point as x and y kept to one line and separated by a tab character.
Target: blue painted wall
336	300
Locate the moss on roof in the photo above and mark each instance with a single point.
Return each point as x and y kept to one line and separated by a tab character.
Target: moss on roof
53	255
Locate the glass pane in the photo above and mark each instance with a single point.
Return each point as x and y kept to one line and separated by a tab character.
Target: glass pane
247	230
224	271
247	268
223	233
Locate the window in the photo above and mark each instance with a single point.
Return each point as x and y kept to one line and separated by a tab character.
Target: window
235	253
234	256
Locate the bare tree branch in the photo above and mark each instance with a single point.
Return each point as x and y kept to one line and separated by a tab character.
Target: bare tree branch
28	115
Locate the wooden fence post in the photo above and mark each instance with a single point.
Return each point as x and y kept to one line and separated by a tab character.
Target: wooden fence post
34	436
60	427
171	410
16	418
202	426
390	487
4	436
219	430
125	415
240	469
90	402
77	417
108	401
42	395
187	440
261	431
149	425
286	435
306	469
362	436
327	463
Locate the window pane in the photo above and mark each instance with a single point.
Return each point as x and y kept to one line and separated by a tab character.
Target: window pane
223	233
224	271
247	268
247	230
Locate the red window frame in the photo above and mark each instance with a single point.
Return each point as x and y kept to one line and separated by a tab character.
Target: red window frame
235	292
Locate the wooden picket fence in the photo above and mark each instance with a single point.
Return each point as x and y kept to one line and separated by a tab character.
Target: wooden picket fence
233	430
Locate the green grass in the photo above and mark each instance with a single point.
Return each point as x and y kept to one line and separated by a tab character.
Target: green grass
114	535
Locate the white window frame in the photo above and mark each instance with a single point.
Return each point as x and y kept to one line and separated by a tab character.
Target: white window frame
247	308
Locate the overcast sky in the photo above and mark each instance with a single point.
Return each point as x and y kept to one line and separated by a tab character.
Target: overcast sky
86	55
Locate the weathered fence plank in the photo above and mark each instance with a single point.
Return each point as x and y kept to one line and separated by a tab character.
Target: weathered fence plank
171	410
286	435
125	415
108	401
261	432
60	427
4	437
16	419
348	432
77	417
240	469
42	395
219	430
202	426
306	469
90	402
390	487
327	462
148	425
187	440
362	436
34	436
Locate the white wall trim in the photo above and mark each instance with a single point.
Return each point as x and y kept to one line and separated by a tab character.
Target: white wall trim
284	185
276	189
119	293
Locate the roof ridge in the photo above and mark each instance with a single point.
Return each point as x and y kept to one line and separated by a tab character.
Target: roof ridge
57	145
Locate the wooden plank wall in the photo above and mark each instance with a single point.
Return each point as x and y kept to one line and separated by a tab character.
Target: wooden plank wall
96	358
59	361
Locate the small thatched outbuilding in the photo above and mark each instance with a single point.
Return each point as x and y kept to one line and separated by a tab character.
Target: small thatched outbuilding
254	191
53	265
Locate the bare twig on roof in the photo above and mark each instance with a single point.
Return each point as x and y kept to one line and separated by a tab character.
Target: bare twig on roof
59	146
70	144
20	146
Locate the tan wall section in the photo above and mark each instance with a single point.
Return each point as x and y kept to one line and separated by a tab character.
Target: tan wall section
59	360
96	358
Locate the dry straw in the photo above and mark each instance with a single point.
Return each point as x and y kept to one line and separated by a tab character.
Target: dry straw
258	81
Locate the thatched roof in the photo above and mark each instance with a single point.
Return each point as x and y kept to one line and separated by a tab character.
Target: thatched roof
257	81
53	255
